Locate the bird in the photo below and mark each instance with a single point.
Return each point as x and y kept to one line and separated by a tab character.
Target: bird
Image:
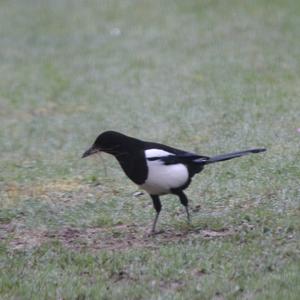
157	168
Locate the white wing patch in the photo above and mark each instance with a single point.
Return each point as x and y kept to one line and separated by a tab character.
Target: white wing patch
156	153
161	178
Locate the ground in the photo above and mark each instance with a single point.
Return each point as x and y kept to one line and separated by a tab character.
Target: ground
206	76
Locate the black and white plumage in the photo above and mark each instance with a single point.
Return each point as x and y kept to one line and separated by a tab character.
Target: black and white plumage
156	168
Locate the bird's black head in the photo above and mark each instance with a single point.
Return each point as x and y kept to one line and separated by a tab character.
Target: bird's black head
111	142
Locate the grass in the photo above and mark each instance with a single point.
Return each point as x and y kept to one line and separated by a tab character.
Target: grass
208	76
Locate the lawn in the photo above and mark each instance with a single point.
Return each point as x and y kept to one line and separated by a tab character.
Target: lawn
208	76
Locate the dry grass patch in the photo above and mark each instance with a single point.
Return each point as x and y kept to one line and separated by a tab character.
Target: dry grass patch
14	192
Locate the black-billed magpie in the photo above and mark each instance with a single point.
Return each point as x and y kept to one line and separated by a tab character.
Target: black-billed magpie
157	168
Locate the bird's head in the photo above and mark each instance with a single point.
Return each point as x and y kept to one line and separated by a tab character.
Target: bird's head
110	142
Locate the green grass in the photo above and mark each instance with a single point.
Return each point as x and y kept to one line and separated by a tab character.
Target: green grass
206	76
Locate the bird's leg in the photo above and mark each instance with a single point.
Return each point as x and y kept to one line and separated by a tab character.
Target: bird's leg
157	206
184	201
188	215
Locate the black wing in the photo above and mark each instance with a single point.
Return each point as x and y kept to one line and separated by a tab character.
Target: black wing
185	158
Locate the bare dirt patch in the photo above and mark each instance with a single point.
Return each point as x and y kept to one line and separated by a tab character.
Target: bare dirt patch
216	233
119	237
27	240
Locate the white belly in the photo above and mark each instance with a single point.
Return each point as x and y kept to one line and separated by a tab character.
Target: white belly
162	178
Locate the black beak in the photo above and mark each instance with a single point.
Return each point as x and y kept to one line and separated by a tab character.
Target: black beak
90	152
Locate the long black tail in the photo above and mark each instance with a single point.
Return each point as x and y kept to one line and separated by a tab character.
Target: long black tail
232	155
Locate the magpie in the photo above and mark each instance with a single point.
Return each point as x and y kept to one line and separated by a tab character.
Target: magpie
157	168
